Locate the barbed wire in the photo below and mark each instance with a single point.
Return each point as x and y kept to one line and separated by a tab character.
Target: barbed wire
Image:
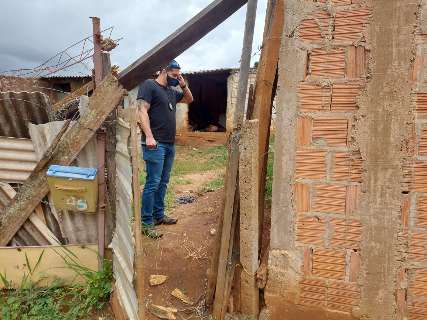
75	54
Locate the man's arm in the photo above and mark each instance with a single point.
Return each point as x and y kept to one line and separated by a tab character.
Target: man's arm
144	122
187	95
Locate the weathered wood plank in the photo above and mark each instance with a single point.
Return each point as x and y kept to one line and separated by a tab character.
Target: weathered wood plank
34	229
224	273
83	90
102	102
135	145
265	88
51	267
249	223
179	41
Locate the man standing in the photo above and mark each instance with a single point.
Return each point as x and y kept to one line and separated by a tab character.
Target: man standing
157	101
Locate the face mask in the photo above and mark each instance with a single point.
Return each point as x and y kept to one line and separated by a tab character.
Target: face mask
172	82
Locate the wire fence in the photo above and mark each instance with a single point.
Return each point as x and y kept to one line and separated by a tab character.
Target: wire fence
76	58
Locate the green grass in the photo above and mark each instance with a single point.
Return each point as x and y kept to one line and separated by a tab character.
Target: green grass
193	160
214	184
56	301
269	176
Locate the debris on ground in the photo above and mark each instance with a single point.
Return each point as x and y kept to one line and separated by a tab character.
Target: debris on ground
185	199
181	296
163	312
157	279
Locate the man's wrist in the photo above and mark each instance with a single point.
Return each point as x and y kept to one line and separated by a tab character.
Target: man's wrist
183	87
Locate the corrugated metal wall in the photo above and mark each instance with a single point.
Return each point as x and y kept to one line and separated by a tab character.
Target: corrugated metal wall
123	243
76	227
17	109
17	159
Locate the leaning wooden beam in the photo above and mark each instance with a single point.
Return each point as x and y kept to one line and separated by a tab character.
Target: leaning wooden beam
42	235
83	90
102	102
179	41
264	88
249	224
135	158
224	274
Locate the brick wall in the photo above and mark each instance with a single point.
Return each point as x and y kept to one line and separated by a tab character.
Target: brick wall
349	216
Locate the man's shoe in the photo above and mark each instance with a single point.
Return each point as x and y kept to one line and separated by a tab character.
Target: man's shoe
149	231
165	220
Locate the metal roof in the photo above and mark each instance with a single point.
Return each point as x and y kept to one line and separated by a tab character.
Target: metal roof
211	71
18	109
64	74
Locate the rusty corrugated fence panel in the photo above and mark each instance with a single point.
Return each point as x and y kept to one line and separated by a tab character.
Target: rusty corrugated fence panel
17	109
17	159
76	227
123	243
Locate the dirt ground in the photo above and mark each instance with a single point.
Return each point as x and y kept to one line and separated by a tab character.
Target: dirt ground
183	253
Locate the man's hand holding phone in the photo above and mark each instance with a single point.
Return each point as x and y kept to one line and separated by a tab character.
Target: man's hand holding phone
151	143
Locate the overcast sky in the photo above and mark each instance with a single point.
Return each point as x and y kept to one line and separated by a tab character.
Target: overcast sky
34	30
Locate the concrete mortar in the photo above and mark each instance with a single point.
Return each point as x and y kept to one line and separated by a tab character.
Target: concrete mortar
382	129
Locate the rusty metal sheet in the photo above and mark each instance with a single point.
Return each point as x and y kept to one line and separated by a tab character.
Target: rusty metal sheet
30	233
17	159
123	243
76	227
18	109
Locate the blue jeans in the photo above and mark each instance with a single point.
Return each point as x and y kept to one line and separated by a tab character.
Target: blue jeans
158	164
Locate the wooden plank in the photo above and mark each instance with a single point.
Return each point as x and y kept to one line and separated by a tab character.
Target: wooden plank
35	221
116	306
39	212
44	230
249	223
102	102
201	138
265	88
100	154
82	91
224	275
179	41
52	266
135	145
110	165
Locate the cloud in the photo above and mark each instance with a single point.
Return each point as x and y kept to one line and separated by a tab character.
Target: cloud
36	30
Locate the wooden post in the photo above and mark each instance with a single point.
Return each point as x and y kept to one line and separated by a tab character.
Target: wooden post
97	54
100	154
223	272
249	224
135	158
265	88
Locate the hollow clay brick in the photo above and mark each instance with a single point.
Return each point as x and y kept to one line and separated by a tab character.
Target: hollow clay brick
350	25
310	164
314	98
329	198
314	27
344	97
310	230
304	129
302	197
329	264
333	131
327	63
